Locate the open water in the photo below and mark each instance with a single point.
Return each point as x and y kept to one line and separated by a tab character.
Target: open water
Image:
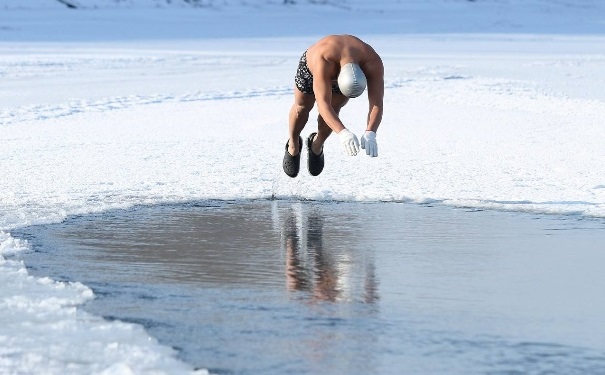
275	287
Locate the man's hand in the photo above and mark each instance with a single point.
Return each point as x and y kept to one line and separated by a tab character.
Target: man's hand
349	142
368	142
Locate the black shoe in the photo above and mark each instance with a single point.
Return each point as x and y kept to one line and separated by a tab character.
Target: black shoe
315	163
292	163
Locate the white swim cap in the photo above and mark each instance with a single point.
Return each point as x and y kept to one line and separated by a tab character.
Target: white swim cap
351	80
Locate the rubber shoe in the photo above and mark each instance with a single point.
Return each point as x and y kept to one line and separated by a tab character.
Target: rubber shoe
315	163
291	163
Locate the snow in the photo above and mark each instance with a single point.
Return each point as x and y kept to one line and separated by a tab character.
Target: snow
488	104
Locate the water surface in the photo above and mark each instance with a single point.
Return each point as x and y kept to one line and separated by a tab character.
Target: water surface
278	287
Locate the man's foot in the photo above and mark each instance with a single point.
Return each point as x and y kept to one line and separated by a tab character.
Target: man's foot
315	163
291	163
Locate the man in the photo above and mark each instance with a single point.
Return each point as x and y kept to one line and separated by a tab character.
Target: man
331	71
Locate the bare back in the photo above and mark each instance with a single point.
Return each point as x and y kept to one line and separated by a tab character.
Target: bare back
334	51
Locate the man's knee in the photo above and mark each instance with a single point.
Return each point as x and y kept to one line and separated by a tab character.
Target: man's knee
339	101
303	108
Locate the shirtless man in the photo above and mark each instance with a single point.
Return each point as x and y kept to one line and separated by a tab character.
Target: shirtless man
331	71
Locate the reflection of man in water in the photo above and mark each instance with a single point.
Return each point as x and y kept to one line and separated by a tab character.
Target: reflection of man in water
296	274
325	275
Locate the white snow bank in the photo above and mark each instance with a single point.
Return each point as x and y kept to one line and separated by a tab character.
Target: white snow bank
44	332
517	127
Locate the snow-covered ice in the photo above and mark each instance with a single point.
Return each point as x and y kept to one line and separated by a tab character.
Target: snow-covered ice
488	104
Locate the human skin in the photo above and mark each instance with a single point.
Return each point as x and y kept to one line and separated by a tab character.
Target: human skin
324	59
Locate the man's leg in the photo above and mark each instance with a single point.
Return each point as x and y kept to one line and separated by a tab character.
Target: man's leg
299	115
323	130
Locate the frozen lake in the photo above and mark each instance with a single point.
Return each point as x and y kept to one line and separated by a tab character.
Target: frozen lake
303	287
115	118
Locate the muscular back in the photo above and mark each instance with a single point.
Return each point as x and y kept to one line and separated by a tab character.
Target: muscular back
333	51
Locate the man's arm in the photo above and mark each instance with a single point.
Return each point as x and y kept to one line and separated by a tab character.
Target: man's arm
375	78
322	86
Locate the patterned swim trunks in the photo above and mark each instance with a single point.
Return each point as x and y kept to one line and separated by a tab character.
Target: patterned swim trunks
304	78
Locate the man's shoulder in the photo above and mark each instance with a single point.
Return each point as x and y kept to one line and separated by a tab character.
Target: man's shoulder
322	55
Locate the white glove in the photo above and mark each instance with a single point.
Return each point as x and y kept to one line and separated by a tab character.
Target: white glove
368	142
349	142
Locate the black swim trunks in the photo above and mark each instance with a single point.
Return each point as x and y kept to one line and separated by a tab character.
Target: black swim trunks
304	78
